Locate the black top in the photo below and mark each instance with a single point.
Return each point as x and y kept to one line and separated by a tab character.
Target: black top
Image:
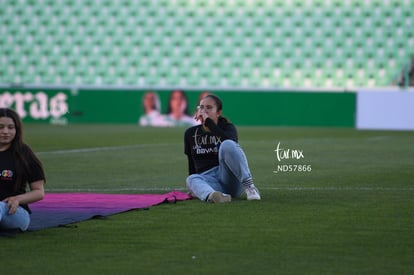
202	147
8	175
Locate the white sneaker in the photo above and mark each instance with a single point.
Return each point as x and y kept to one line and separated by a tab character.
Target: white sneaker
252	193
218	197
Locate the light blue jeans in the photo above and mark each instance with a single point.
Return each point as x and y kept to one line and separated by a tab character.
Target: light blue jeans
227	177
19	220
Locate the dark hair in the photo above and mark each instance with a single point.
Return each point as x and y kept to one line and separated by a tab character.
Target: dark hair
21	151
219	105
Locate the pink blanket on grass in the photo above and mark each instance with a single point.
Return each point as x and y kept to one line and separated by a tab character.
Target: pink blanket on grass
60	209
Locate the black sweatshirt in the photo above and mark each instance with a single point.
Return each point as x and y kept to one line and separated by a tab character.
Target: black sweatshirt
202	147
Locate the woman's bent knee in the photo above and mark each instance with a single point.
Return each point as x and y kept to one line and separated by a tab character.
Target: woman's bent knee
190	179
228	143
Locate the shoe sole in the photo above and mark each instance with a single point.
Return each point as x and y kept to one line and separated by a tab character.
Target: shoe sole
254	199
218	197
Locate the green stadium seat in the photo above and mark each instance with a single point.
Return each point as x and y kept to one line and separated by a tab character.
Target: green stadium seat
237	39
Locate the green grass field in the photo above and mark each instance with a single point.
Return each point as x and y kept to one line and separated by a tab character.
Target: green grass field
353	213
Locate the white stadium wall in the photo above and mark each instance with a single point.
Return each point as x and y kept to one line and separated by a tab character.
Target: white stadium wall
385	109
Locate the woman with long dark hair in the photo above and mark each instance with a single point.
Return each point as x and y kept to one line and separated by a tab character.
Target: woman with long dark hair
19	167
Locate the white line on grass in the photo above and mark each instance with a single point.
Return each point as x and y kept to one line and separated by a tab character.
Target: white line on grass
148	189
98	149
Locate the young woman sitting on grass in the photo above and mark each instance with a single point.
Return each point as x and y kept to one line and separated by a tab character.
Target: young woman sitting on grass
217	166
18	167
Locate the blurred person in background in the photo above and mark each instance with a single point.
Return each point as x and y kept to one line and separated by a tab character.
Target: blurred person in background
19	168
203	95
177	112
152	111
217	166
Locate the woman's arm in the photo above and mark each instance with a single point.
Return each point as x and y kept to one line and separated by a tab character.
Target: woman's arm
187	150
229	132
36	193
191	168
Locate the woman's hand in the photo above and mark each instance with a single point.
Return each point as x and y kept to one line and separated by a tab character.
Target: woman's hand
12	203
36	193
201	116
